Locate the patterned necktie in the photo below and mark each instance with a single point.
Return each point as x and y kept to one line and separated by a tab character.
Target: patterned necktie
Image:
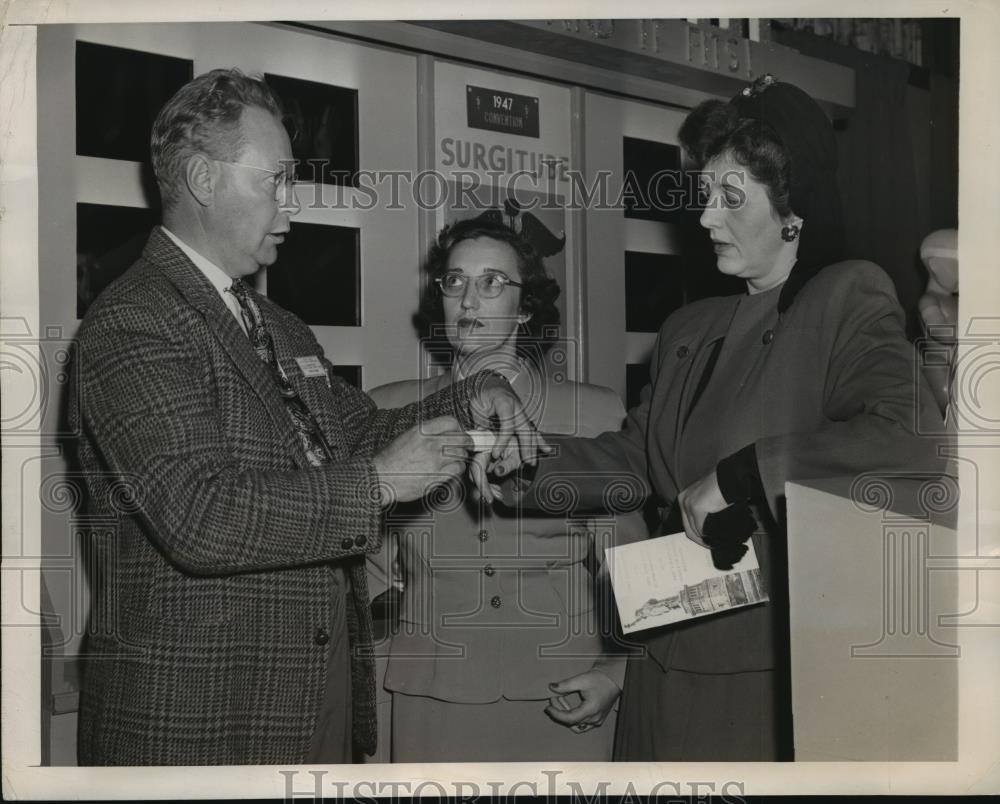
311	437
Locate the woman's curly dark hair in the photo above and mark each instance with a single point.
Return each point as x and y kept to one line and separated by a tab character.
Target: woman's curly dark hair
715	127
538	294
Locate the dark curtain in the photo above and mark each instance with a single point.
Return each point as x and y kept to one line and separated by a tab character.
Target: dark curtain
879	183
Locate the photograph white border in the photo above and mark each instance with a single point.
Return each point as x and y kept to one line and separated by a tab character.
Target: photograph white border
976	770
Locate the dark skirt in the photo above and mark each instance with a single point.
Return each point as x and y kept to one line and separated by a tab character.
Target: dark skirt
679	716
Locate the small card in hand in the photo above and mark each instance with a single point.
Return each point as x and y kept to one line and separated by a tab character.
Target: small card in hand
482	440
567	703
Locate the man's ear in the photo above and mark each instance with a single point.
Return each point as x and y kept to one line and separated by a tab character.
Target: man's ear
201	177
523	318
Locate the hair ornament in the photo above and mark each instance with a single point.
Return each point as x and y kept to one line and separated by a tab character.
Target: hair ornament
759	84
544	241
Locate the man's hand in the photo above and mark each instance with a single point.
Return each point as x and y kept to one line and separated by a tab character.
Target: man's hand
698	501
518	441
598	692
426	455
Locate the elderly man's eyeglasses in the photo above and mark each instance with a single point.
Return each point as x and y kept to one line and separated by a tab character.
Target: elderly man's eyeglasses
488	285
283	179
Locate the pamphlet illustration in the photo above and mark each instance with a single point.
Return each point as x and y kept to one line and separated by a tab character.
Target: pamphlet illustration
671	578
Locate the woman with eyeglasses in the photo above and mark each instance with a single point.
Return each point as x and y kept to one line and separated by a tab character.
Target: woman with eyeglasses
499	655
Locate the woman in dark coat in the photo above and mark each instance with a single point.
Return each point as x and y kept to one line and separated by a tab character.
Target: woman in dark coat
806	375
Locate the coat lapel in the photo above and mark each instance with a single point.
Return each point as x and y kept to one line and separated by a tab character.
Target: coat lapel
315	392
202	296
714	332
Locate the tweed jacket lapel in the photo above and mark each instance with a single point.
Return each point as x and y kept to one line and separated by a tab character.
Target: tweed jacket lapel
316	392
199	293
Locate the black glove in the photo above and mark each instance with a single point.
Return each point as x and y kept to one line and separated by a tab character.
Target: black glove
726	532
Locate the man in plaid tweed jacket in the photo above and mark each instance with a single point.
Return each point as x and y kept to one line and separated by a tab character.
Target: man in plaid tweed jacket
234	565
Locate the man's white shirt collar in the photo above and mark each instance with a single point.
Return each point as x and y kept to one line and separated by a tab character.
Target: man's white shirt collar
220	280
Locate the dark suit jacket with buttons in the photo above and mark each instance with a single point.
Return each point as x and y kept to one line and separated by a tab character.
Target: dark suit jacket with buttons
834	391
212	578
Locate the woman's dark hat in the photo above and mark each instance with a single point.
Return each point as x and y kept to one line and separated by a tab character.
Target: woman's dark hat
804	129
807	135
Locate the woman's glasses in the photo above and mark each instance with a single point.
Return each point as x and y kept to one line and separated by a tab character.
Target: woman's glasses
488	285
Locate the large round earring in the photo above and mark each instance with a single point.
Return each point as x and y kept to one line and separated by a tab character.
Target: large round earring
789	233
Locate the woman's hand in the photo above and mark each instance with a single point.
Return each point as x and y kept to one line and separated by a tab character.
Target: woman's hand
517	439
599	694
698	501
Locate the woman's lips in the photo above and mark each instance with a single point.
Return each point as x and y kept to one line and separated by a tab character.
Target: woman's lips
469	323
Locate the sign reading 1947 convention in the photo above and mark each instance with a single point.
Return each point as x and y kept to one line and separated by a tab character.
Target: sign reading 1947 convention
507	112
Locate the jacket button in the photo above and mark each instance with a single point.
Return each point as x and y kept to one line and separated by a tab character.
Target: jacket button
682	351
483	535
768	336
496	602
321	637
489	571
361	540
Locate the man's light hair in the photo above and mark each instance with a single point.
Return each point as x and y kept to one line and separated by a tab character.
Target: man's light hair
204	117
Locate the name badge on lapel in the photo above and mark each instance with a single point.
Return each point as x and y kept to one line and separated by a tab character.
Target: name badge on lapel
311	366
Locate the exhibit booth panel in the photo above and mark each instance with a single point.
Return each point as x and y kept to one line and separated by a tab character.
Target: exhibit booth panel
874	590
